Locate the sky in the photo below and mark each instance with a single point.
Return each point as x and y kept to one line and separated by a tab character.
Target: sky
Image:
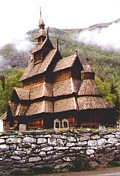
19	16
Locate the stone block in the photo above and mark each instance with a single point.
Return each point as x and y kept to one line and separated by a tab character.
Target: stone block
41	140
106	158
12	140
4	147
92	143
90	151
101	142
34	159
112	140
29	140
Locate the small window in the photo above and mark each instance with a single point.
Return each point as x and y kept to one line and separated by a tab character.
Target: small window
65	124
56	125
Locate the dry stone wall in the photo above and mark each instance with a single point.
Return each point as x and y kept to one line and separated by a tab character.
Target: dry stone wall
57	149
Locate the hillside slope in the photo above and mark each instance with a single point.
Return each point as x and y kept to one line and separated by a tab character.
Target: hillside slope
105	61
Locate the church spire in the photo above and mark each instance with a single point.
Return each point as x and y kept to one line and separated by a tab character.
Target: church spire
41	22
41	33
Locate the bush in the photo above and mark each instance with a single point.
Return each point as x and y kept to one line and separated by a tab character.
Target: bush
79	165
114	164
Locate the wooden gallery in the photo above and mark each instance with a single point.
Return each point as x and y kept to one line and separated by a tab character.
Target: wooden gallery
57	91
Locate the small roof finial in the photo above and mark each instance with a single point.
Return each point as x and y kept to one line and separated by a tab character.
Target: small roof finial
87	59
76	52
47	31
57	42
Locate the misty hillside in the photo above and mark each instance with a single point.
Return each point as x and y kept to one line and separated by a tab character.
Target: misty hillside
104	25
100	43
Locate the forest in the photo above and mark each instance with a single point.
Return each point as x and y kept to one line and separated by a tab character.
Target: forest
105	63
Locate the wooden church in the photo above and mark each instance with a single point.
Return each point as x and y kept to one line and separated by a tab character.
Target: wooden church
57	89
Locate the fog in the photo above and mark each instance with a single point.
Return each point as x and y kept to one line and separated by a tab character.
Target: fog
3	63
107	38
23	43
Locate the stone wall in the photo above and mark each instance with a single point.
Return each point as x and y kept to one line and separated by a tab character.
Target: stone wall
57	149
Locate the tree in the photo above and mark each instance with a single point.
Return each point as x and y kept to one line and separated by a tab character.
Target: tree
9	80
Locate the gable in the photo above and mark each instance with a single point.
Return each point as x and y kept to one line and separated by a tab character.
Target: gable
37	69
20	94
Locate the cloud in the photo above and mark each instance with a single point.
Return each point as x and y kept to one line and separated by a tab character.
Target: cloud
107	38
3	64
23	43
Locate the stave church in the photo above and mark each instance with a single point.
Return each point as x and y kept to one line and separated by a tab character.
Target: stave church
57	89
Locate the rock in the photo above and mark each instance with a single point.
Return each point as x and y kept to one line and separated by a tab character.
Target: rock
41	140
117	135
4	147
93	164
117	157
60	143
34	159
92	143
61	166
112	140
90	151
13	140
29	140
16	157
101	141
19	153
106	158
71	139
109	136
52	141
95	137
42	153
70	144
82	143
47	148
2	141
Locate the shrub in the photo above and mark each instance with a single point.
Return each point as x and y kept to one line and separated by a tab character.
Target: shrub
79	165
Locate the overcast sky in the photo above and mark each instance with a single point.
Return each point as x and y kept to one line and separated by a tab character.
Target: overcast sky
19	16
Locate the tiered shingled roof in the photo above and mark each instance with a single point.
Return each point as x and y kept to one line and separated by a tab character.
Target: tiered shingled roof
52	84
65	63
89	96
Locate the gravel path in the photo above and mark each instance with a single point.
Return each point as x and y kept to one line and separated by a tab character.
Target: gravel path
89	173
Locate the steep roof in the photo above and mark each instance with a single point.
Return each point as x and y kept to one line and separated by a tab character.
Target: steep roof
41	90
89	87
18	109
66	87
36	69
40	107
4	116
66	104
40	46
65	63
89	96
89	102
23	94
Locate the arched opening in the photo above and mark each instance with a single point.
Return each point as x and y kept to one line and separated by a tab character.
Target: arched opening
56	125
65	124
